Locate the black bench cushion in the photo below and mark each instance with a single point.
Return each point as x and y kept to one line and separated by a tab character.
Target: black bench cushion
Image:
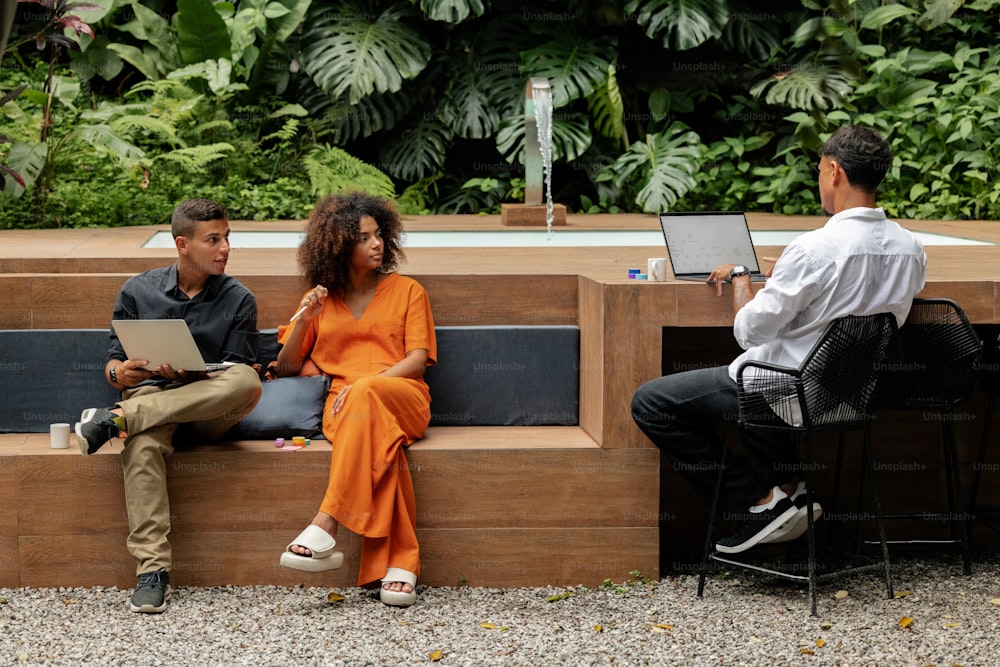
485	376
496	375
506	375
51	375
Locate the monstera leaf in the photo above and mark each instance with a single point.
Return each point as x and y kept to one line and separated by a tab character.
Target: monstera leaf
574	64
663	167
608	110
349	53
419	151
570	137
450	11
468	109
808	87
681	24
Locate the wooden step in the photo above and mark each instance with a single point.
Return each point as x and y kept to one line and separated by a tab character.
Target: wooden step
497	506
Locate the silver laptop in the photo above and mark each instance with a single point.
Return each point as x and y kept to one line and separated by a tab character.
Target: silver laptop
699	242
163	342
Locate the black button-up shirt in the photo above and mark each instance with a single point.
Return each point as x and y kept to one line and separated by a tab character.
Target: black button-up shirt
222	317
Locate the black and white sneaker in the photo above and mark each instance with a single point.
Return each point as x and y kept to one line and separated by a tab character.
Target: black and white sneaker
759	527
151	593
96	427
798	526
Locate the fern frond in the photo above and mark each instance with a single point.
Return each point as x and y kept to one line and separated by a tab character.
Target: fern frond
196	158
148	125
201	129
286	133
332	170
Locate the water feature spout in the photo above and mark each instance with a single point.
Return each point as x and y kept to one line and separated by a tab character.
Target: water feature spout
537	162
537	137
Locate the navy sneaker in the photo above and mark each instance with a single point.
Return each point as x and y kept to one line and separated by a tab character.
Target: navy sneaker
151	593
759	527
96	427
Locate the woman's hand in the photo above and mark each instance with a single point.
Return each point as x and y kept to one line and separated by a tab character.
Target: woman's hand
338	402
311	304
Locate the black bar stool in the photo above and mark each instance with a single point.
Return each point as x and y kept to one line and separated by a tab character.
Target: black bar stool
937	371
836	388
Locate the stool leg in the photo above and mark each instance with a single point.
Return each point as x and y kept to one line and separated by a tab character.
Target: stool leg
837	476
711	516
977	474
959	522
810	532
877	504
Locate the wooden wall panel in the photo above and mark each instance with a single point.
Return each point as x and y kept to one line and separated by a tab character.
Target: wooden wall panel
547	488
10	574
592	371
506	557
15	307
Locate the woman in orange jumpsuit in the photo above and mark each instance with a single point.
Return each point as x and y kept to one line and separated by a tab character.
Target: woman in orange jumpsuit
371	331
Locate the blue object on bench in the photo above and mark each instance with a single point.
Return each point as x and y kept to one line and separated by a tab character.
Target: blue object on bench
51	375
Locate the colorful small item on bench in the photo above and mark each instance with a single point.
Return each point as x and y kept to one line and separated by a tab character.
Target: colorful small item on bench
299	441
279	442
632	273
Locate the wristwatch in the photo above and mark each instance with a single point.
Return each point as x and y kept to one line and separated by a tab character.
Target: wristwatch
738	270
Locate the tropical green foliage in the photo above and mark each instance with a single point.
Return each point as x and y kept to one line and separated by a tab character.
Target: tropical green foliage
658	104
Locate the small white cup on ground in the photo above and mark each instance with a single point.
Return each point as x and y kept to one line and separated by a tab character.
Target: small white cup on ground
59	436
656	268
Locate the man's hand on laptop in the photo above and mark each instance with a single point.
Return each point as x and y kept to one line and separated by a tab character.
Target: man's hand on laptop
719	275
132	371
180	375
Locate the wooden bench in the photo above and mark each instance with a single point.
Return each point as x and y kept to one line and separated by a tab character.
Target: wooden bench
510	489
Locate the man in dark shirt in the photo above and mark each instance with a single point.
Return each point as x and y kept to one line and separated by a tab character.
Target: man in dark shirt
159	405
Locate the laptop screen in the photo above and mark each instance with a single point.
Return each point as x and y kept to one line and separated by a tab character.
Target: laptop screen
699	242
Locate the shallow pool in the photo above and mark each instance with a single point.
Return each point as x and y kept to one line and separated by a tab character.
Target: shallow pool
559	238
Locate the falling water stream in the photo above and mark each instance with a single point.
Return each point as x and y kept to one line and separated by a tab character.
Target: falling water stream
541	95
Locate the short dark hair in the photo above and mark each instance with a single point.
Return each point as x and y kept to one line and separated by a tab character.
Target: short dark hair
862	152
190	211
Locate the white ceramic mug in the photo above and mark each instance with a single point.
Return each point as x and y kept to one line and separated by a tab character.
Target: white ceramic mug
656	268
59	436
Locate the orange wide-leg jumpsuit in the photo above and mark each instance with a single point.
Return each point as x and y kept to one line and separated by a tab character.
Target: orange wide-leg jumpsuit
370	491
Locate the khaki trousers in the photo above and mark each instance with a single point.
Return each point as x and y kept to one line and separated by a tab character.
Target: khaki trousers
196	412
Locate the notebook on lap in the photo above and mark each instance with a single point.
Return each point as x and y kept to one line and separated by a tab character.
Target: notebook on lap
699	242
163	342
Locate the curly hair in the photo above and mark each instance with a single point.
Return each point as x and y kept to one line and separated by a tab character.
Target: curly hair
333	232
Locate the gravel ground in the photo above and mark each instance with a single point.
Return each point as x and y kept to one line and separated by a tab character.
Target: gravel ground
743	619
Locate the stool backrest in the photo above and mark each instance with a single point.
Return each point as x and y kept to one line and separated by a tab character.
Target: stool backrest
940	352
837	386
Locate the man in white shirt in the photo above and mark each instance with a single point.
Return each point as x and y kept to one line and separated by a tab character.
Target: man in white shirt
859	263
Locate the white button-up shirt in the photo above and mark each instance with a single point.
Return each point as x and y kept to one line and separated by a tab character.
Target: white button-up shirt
858	263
